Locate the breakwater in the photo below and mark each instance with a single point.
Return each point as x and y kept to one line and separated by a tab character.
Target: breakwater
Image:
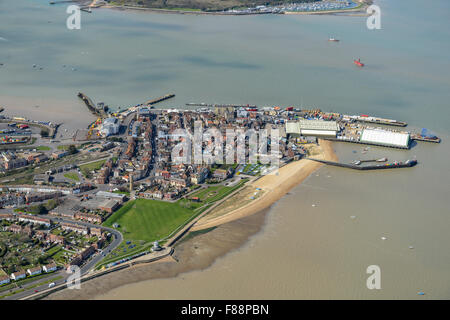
393	165
160	99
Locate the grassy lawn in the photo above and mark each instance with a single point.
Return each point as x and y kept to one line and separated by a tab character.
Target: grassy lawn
53	250
149	220
143	221
72	176
123	251
209	195
43	148
93	166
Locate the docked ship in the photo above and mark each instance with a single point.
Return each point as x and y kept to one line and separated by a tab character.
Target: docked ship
358	63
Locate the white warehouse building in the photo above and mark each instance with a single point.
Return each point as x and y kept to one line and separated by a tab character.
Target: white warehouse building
318	128
385	138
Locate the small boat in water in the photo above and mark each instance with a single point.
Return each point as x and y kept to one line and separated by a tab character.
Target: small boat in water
358	62
333	39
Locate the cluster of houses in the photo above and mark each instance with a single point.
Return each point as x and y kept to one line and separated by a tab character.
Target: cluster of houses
22	274
12	160
46	236
134	162
20	198
152	136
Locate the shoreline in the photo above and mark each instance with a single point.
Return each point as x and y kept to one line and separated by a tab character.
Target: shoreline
227	233
193	254
73	117
274	188
361	8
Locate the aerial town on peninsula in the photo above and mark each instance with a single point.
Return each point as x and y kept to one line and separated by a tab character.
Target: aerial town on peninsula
72	202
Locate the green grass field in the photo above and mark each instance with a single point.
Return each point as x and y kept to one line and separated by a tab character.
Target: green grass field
43	148
72	176
209	195
142	221
87	168
149	220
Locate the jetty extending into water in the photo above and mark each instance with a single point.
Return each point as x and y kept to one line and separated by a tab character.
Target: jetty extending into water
207	105
346	139
377	120
90	105
393	165
165	97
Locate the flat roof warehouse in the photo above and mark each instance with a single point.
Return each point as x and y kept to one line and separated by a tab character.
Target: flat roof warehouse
313	128
385	138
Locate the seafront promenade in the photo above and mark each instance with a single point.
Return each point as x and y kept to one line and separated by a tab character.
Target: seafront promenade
149	258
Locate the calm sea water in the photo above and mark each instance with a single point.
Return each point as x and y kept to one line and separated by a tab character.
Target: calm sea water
124	58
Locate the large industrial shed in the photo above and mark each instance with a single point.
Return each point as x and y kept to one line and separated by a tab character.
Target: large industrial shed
292	128
385	138
319	128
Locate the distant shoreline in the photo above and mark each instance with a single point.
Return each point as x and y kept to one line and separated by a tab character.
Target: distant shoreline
361	8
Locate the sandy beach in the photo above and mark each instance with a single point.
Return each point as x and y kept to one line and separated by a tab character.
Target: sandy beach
273	187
